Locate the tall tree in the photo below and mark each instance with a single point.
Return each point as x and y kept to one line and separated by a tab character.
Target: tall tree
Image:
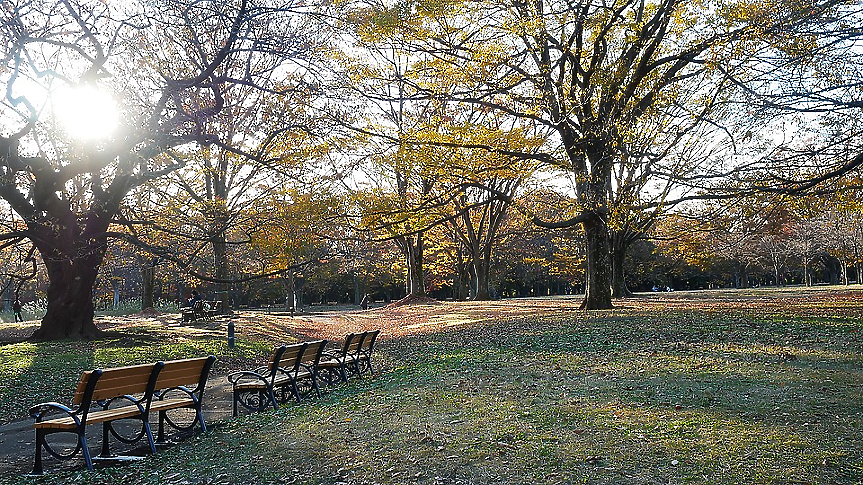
586	73
168	62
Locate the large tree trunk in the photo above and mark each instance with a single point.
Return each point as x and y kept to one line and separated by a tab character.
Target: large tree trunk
220	257
72	249
597	295
618	275
70	299
481	270
462	278
619	288
148	274
416	280
412	250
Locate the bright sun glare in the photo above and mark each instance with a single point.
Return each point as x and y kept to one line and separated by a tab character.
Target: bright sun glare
86	113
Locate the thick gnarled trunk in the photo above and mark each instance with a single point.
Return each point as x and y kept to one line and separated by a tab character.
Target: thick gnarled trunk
70	299
73	249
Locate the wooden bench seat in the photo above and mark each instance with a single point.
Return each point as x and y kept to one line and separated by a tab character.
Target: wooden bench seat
122	393
71	423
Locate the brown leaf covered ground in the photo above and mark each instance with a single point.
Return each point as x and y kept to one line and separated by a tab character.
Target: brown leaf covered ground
727	387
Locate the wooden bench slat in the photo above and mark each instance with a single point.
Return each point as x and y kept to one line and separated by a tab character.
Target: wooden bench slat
99	416
173	403
291	353
181	373
116	382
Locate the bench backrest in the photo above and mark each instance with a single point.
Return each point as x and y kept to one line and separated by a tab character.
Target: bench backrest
313	352
352	344
357	343
292	356
276	357
368	344
185	372
118	381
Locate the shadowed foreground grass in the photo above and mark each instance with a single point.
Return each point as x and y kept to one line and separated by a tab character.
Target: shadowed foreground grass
646	394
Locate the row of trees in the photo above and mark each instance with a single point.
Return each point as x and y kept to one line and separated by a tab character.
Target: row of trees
764	241
258	137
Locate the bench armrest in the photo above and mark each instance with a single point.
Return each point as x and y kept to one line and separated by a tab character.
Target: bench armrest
235	377
39	411
161	394
127	397
332	354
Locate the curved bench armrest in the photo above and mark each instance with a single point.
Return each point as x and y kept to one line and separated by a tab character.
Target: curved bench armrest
235	377
183	389
39	411
127	397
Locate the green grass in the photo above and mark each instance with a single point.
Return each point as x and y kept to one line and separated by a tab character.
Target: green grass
622	396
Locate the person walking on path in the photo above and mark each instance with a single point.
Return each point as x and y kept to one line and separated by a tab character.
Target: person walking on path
16	309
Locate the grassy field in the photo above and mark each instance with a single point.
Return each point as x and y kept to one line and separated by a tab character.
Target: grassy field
729	387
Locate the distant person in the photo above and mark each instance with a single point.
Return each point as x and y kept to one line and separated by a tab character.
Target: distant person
16	309
365	303
196	297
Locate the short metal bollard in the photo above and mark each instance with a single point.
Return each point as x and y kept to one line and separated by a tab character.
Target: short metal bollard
230	334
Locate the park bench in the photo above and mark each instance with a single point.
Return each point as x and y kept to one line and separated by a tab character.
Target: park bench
355	356
123	393
345	360
364	360
211	309
195	312
290	369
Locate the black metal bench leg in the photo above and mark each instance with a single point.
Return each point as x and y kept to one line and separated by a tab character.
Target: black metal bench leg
87	459
200	417
272	398
296	391
160	437
106	452
37	464
149	433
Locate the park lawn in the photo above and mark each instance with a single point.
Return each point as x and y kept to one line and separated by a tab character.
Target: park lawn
684	389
